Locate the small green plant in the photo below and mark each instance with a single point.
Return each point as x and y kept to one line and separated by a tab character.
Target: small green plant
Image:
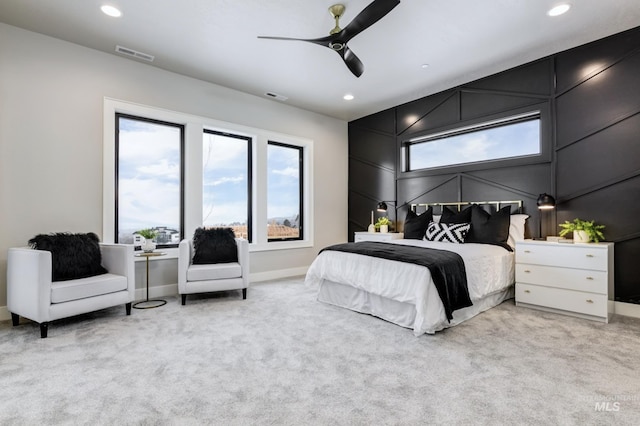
148	233
382	221
593	231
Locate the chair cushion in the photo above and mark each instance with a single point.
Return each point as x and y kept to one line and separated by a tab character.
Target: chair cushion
214	245
65	291
215	271
73	256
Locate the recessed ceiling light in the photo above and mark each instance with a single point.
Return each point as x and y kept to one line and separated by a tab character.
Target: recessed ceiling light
348	97
559	9
111	11
424	66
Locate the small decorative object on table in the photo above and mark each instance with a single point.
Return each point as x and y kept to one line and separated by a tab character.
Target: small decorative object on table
584	231
383	224
372	227
149	234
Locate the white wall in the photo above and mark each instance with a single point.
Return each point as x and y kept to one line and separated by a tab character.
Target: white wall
51	127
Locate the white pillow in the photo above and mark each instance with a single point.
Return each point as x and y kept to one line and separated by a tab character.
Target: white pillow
516	228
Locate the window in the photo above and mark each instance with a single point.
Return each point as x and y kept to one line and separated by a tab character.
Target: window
176	172
226	182
284	192
149	183
511	137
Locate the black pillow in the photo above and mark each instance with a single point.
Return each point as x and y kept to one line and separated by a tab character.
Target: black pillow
449	216
73	256
489	228
415	225
215	245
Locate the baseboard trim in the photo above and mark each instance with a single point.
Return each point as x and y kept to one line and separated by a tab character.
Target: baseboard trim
627	309
275	275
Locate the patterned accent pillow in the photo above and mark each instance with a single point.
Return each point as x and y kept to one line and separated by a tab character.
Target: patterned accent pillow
447	232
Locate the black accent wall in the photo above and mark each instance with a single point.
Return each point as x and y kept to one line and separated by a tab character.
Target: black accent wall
589	101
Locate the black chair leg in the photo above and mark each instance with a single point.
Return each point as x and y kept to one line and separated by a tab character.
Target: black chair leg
184	298
44	328
15	319
128	308
244	293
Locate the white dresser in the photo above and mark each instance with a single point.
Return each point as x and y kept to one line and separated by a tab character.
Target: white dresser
377	236
571	279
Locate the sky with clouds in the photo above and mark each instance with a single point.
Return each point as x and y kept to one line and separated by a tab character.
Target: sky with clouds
149	178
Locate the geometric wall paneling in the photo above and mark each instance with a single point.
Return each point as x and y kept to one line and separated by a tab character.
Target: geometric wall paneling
600	101
533	78
428	113
613	153
360	207
376	182
627	278
384	121
478	104
590	136
615	206
373	147
529	180
428	188
575	65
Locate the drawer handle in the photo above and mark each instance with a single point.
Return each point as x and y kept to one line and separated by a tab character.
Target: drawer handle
589	301
527	291
527	271
590	278
527	251
589	255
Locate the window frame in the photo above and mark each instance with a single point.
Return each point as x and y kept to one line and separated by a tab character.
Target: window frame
250	152
119	115
194	126
541	111
301	229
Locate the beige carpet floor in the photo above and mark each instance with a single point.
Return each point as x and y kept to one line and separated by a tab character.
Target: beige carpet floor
282	358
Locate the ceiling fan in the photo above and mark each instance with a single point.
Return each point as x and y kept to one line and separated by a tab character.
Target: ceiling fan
339	37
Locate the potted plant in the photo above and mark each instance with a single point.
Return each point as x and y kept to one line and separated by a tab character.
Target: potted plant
584	231
149	235
383	224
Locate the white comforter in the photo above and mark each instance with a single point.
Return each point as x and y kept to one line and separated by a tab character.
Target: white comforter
490	269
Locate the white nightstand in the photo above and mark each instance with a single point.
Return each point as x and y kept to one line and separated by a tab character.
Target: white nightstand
377	236
571	279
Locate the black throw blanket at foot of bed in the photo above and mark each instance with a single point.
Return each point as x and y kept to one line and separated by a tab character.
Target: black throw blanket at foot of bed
447	268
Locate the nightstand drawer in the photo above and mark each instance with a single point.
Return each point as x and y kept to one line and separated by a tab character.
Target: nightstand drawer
569	256
570	279
568	300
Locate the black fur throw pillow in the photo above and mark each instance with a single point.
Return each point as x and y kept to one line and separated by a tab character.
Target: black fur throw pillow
73	256
215	245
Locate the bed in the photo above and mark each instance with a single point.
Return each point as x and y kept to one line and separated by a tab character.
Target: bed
405	293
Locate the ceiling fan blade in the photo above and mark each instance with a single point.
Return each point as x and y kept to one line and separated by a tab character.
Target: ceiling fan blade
354	63
323	41
369	16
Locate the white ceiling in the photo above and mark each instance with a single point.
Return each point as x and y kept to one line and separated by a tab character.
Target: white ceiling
216	41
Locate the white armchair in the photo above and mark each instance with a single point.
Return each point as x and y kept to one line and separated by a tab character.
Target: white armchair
31	293
212	277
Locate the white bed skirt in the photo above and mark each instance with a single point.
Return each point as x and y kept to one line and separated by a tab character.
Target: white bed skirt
402	313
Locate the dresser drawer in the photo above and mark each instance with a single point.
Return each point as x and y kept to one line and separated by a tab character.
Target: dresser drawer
566	256
570	279
558	298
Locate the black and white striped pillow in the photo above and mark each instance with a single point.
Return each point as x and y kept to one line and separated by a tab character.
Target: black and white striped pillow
447	232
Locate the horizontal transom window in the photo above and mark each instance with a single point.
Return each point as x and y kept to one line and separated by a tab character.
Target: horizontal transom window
511	137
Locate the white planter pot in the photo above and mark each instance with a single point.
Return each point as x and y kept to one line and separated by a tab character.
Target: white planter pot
148	246
384	228
580	237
